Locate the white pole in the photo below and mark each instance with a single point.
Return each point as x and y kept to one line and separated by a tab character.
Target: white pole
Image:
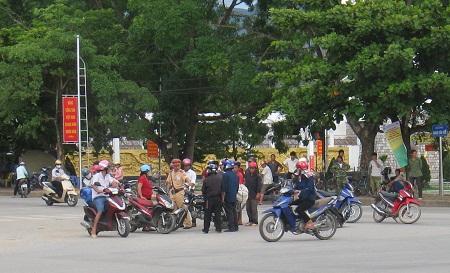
79	111
441	171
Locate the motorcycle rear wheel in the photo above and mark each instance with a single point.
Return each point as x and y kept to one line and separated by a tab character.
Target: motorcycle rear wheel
72	200
169	223
123	227
378	218
412	216
49	200
268	230
355	212
326	231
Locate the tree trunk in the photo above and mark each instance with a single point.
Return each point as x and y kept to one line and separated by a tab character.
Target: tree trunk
58	122
190	139
366	133
174	141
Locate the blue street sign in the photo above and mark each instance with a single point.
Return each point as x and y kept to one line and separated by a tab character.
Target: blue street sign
439	130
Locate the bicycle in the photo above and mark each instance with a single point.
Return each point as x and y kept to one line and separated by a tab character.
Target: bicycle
362	187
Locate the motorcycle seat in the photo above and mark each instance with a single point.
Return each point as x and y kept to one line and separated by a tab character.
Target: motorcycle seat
389	195
326	193
143	201
320	202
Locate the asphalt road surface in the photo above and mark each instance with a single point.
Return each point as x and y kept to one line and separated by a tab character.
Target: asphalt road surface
38	238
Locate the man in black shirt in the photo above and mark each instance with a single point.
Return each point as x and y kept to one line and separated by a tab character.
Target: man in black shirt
212	192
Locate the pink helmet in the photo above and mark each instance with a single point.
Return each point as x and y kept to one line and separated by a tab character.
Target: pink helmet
104	164
186	161
95	169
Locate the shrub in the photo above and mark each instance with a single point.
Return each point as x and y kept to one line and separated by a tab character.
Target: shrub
425	171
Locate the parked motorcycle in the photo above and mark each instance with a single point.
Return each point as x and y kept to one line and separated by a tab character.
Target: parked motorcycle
115	217
273	191
282	218
24	190
144	213
37	179
401	205
346	203
69	195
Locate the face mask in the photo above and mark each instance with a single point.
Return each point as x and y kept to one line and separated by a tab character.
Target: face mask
58	166
88	176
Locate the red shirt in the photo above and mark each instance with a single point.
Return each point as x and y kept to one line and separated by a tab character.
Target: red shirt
147	186
240	178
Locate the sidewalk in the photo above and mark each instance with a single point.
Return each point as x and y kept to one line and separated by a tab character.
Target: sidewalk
430	198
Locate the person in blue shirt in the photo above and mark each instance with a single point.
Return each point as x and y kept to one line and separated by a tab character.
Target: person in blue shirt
230	187
305	190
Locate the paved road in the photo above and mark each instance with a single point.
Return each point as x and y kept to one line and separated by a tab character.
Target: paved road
37	238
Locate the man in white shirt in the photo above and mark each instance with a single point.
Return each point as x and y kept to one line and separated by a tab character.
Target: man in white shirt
190	173
375	166
291	164
267	179
21	177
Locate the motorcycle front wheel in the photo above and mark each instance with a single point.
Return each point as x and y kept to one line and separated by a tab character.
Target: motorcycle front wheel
327	227
123	227
355	211
72	200
166	222
271	228
409	217
377	217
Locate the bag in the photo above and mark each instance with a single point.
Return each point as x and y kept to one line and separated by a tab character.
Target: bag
86	193
242	194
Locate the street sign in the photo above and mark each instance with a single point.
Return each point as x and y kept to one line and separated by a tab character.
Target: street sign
152	149
70	119
439	130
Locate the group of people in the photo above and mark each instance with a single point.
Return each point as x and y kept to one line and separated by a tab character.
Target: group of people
414	169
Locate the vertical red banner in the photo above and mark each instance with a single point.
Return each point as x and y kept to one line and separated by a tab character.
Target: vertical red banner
312	167
70	119
319	148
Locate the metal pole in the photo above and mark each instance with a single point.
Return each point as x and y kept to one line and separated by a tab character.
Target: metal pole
441	171
79	111
159	148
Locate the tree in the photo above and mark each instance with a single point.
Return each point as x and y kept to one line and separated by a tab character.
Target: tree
367	60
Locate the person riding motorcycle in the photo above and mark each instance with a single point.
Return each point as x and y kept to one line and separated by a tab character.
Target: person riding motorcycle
87	175
99	182
306	191
57	174
21	177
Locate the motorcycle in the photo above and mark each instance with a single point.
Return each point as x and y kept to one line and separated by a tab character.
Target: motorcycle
144	213
69	195
346	203
24	190
282	218
273	191
37	179
401	205
115	217
199	204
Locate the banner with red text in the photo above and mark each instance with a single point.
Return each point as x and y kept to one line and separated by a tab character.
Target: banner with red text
70	119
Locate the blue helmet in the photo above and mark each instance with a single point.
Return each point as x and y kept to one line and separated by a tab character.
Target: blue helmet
228	164
146	168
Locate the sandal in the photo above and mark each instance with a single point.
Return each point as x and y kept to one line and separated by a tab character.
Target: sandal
249	224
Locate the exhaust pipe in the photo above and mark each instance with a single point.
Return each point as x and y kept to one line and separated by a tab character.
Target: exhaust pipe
45	198
378	209
85	224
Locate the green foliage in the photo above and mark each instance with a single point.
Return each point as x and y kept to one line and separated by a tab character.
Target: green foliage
446	166
425	171
383	157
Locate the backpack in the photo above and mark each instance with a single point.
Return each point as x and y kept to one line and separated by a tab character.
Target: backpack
86	194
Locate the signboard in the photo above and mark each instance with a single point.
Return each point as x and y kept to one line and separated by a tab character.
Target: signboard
394	137
152	149
319	148
70	119
439	130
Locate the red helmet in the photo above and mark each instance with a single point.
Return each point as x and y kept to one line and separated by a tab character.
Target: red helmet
95	169
302	163
186	161
252	165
